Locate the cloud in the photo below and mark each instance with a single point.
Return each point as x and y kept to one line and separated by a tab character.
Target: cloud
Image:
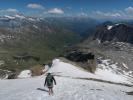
129	9
126	13
115	15
83	14
69	8
81	8
55	11
35	6
107	14
11	10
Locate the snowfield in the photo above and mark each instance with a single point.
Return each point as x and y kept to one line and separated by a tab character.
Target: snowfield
65	69
68	87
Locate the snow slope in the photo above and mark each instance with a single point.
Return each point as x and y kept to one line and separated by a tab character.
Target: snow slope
66	88
65	69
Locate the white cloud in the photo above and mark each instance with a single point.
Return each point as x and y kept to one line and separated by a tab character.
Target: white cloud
11	10
35	6
129	9
108	14
126	13
56	11
83	14
116	15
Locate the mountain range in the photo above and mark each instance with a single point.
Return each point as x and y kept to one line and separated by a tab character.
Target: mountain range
112	41
121	32
28	41
24	38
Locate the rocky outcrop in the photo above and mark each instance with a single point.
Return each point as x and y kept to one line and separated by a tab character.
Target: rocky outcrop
83	59
12	76
114	32
78	56
37	70
130	93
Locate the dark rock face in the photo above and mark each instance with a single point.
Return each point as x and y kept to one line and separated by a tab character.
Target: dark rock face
116	32
130	93
2	74
85	60
78	56
12	76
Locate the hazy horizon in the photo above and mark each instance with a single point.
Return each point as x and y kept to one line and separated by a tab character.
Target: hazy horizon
97	9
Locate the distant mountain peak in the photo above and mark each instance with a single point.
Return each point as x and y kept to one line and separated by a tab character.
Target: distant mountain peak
20	16
119	32
109	27
9	17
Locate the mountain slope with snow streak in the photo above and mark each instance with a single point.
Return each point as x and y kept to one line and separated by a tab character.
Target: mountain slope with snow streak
66	88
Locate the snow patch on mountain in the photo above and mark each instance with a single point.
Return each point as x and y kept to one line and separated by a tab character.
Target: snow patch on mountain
4	37
10	17
35	26
20	16
124	65
25	74
31	19
109	27
114	69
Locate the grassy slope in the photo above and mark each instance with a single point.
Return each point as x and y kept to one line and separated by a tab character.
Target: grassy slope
45	48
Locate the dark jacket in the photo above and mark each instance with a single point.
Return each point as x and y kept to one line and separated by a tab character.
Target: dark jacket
49	81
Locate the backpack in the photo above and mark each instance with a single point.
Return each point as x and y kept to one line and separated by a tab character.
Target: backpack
49	80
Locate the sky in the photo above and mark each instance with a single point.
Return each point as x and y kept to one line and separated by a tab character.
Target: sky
100	9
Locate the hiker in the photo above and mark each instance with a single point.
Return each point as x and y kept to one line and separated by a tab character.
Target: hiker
49	82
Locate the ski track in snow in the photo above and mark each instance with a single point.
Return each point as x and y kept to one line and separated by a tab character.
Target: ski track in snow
66	88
